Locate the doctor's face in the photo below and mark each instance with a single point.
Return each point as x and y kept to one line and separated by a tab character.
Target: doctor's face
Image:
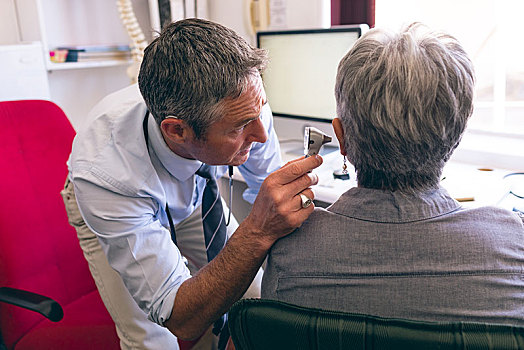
229	140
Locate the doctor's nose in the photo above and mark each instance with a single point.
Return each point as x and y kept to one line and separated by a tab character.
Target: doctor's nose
257	131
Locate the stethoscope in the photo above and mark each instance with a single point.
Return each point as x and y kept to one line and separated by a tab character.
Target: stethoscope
230	204
168	212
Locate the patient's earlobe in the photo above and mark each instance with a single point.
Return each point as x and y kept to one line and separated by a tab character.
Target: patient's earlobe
339	133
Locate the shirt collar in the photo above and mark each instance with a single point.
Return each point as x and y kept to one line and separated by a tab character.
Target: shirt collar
179	167
394	207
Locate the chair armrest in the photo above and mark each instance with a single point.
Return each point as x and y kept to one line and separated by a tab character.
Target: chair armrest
32	301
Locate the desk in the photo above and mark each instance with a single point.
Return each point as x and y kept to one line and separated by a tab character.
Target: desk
471	184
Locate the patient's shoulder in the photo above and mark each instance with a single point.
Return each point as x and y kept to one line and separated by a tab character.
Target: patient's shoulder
318	217
321	220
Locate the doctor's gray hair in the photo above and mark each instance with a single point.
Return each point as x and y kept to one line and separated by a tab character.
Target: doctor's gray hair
190	69
404	100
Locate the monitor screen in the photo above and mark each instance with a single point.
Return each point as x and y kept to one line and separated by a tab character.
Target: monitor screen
300	77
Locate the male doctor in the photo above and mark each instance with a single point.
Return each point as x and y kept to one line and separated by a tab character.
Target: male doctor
136	185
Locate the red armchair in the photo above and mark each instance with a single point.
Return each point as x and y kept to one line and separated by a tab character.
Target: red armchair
39	251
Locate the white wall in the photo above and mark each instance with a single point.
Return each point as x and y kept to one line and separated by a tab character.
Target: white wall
8	25
283	14
232	14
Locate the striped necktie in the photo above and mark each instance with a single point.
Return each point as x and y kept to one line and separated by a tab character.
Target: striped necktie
215	235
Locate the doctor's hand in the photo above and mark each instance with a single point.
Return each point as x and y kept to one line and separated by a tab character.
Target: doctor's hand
282	203
277	211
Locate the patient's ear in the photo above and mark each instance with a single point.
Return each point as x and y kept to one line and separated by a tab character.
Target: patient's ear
175	130
339	133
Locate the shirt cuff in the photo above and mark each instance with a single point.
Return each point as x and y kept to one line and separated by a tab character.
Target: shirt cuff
162	308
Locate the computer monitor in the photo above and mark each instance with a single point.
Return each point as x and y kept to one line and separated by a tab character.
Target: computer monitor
300	77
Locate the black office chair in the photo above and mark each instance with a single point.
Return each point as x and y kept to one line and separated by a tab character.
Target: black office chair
45	306
258	324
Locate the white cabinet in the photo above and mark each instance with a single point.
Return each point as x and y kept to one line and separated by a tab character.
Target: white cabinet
23	72
78	86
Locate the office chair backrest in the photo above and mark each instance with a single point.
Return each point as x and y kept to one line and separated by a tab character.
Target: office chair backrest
258	324
39	250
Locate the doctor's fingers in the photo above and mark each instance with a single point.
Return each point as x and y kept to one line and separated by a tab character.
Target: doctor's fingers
295	169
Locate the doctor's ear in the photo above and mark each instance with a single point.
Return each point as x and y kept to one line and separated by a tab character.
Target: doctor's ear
339	132
175	129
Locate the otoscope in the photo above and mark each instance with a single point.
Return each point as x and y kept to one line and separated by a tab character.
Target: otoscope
313	140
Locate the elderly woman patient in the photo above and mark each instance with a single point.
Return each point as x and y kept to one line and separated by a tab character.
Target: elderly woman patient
398	245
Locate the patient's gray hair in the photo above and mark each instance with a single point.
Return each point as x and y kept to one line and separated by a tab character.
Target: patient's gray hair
190	69
404	100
